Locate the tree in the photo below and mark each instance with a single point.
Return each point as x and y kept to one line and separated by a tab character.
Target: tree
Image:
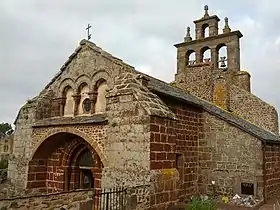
5	129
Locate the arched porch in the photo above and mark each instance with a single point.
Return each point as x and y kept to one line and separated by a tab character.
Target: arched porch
64	162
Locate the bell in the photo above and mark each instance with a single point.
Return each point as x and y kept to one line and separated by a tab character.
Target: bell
223	63
191	62
207	60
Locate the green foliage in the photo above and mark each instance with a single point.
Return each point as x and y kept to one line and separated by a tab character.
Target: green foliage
5	129
3	164
200	204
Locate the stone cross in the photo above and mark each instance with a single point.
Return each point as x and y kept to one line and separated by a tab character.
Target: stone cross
88	34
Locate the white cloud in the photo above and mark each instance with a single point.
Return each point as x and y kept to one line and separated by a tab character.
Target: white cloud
38	36
277	41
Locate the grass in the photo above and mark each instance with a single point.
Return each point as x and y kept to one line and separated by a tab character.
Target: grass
200	204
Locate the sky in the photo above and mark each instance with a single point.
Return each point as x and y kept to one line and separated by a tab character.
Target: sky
36	38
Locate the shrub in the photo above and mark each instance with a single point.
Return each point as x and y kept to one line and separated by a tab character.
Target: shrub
3	164
200	204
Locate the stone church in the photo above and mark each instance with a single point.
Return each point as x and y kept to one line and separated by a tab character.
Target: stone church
100	123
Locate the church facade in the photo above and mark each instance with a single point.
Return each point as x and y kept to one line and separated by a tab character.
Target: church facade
100	123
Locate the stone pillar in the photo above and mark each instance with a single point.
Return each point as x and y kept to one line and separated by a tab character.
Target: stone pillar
181	60
213	30
233	55
93	99
61	106
214	57
77	99
198	56
59	103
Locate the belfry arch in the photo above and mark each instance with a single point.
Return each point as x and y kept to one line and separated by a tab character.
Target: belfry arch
63	162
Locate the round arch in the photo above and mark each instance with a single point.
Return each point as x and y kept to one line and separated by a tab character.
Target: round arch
102	75
66	83
83	79
94	144
54	167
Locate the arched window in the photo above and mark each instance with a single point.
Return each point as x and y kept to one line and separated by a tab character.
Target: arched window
205	31
101	88
84	105
190	57
222	56
205	55
85	159
85	164
69	101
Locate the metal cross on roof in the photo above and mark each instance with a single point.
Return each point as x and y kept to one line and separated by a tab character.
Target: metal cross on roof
88	34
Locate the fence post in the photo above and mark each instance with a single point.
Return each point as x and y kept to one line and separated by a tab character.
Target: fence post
107	200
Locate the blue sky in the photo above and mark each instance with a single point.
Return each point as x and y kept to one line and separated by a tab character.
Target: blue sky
38	36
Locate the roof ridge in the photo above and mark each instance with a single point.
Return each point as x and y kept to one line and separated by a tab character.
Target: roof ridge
93	46
164	88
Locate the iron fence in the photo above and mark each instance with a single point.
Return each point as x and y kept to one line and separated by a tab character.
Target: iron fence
110	199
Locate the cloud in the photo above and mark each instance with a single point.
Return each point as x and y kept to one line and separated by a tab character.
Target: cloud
37	37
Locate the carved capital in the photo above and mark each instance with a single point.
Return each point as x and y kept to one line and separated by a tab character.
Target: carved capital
59	106
77	99
93	96
93	99
60	100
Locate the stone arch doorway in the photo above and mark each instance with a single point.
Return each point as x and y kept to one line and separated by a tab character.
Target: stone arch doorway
64	162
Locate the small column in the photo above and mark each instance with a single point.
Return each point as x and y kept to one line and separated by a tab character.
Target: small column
214	57
93	99
61	106
198	57
59	103
77	99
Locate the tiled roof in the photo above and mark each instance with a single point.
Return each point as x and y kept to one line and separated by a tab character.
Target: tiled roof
132	83
164	88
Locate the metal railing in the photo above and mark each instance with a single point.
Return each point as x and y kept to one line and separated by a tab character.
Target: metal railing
110	199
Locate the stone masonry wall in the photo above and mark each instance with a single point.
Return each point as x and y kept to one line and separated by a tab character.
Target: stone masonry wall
228	156
127	144
272	170
89	64
164	176
196	79
253	109
95	135
18	167
76	200
18	162
188	131
174	154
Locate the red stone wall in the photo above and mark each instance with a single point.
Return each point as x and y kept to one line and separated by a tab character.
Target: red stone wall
47	173
189	130
174	144
272	170
54	166
163	157
37	174
163	143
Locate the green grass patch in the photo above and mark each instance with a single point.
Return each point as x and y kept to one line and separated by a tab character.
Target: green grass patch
200	204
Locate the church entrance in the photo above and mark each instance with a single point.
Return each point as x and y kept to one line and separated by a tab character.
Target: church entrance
64	162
